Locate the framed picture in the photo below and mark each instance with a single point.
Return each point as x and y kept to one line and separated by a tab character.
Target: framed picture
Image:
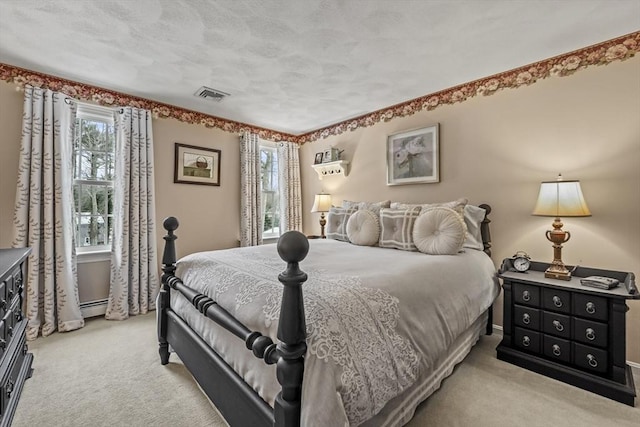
413	156
318	158
196	165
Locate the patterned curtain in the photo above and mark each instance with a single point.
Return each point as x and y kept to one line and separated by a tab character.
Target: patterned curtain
250	190
134	267
43	215
289	186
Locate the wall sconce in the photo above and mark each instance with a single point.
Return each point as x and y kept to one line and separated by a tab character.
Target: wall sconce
560	198
322	203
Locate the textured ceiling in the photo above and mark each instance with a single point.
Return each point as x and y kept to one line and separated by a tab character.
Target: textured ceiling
297	65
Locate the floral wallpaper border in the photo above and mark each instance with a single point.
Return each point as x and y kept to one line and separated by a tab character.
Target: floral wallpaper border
617	49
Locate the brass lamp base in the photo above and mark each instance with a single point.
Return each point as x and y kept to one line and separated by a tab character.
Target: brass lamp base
323	222
557	236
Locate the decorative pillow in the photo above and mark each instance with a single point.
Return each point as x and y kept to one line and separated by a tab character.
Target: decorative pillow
456	205
363	228
473	217
337	223
372	206
396	227
439	231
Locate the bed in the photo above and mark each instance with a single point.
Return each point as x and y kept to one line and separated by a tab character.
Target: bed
377	331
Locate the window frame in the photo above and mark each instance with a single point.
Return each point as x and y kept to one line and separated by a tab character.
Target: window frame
99	114
272	147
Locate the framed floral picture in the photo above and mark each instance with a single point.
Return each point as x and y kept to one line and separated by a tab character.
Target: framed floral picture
196	165
413	156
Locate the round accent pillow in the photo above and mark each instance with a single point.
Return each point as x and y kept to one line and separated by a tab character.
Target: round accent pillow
363	228
439	231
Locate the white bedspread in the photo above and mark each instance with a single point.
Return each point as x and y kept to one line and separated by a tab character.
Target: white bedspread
377	319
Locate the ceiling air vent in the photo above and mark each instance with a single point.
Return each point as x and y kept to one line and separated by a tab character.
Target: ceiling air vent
210	94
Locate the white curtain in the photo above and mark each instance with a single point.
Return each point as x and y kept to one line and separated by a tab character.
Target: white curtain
250	190
289	186
134	267
43	215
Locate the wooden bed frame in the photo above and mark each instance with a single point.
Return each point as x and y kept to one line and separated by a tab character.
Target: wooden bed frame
235	399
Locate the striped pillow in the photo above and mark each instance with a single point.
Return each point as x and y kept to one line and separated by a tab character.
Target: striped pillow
397	228
337	223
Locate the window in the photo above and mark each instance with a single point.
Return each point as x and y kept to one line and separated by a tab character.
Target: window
270	194
93	173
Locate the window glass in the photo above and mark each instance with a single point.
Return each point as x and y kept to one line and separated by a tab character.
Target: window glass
270	191
94	169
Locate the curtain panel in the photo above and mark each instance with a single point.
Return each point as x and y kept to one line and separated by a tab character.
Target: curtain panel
43	214
134	268
250	190
289	185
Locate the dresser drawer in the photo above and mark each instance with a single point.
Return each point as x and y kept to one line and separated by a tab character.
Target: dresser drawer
9	383
4	304
526	294
556	324
590	332
556	348
527	340
527	317
590	358
590	306
556	300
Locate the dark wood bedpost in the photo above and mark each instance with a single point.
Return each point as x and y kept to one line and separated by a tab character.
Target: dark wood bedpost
168	268
293	247
486	242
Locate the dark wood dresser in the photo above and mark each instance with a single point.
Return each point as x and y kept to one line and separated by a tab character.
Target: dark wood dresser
568	331
15	360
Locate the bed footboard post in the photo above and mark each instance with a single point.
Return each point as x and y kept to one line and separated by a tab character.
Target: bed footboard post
484	229
293	247
168	268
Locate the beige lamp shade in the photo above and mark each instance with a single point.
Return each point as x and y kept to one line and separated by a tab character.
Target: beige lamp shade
322	203
561	198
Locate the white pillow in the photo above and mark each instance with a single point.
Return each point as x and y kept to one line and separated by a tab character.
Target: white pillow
439	231
473	217
337	223
363	228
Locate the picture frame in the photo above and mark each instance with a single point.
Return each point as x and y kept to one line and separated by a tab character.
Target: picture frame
318	158
413	156
196	165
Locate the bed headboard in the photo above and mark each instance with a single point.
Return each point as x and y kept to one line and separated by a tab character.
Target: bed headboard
484	229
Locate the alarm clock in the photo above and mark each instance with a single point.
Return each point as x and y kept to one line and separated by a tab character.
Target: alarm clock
521	261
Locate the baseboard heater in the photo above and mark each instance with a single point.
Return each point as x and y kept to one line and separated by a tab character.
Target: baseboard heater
93	308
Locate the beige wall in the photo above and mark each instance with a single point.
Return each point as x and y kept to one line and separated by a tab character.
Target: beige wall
497	149
494	150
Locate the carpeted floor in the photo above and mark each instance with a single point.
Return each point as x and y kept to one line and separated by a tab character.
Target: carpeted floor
109	374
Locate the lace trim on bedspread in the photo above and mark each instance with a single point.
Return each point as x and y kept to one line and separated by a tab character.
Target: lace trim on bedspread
348	323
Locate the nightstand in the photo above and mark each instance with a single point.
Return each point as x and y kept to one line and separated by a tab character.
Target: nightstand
568	331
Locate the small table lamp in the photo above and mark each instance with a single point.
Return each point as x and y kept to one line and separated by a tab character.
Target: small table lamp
322	203
560	198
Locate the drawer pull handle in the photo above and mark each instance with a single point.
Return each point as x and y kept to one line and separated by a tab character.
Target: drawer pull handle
591	334
10	294
591	308
526	341
556	350
10	332
592	360
526	319
9	388
3	304
526	296
3	344
557	301
558	325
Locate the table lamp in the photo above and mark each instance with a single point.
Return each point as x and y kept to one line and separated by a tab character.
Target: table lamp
322	203
560	198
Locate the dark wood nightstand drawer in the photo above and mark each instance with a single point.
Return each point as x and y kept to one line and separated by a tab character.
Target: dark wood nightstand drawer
527	317
556	300
526	294
556	324
590	358
528	340
556	348
590	306
590	332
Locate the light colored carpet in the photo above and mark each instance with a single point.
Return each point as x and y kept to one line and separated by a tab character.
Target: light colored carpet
109	374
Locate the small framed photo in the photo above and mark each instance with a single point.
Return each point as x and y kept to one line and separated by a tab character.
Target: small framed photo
196	165
413	157
318	158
